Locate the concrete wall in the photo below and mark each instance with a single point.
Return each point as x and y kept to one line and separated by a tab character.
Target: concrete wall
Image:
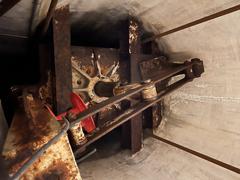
204	115
22	19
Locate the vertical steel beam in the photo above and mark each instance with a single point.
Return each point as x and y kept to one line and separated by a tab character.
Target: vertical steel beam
125	74
129	59
62	59
135	50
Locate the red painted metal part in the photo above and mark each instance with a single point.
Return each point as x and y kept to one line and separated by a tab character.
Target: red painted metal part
78	107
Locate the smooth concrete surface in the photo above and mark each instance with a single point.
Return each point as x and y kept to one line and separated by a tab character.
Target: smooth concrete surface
204	115
156	161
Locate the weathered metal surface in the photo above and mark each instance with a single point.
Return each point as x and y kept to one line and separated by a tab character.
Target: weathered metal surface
151	66
139	107
131	112
94	76
84	83
124	56
125	88
91	66
150	92
30	130
176	70
77	136
62	59
125	74
76	133
152	116
45	90
129	54
135	50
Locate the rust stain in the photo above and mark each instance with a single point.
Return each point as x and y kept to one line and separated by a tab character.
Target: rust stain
133	33
27	137
45	91
30	130
58	162
58	170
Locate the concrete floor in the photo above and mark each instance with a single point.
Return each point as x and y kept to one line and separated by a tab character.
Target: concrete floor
156	160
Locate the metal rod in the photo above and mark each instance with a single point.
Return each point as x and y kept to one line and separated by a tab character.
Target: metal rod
204	19
113	100
78	161
40	151
14	36
98	107
131	112
198	154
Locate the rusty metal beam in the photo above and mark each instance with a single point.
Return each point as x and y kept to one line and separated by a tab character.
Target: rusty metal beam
124	56
62	59
6	5
125	74
129	59
135	50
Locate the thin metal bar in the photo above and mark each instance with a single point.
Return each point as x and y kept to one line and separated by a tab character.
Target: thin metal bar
204	19
78	161
131	112
98	107
200	155
14	36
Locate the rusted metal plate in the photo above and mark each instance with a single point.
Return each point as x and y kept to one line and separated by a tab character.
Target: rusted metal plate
32	127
